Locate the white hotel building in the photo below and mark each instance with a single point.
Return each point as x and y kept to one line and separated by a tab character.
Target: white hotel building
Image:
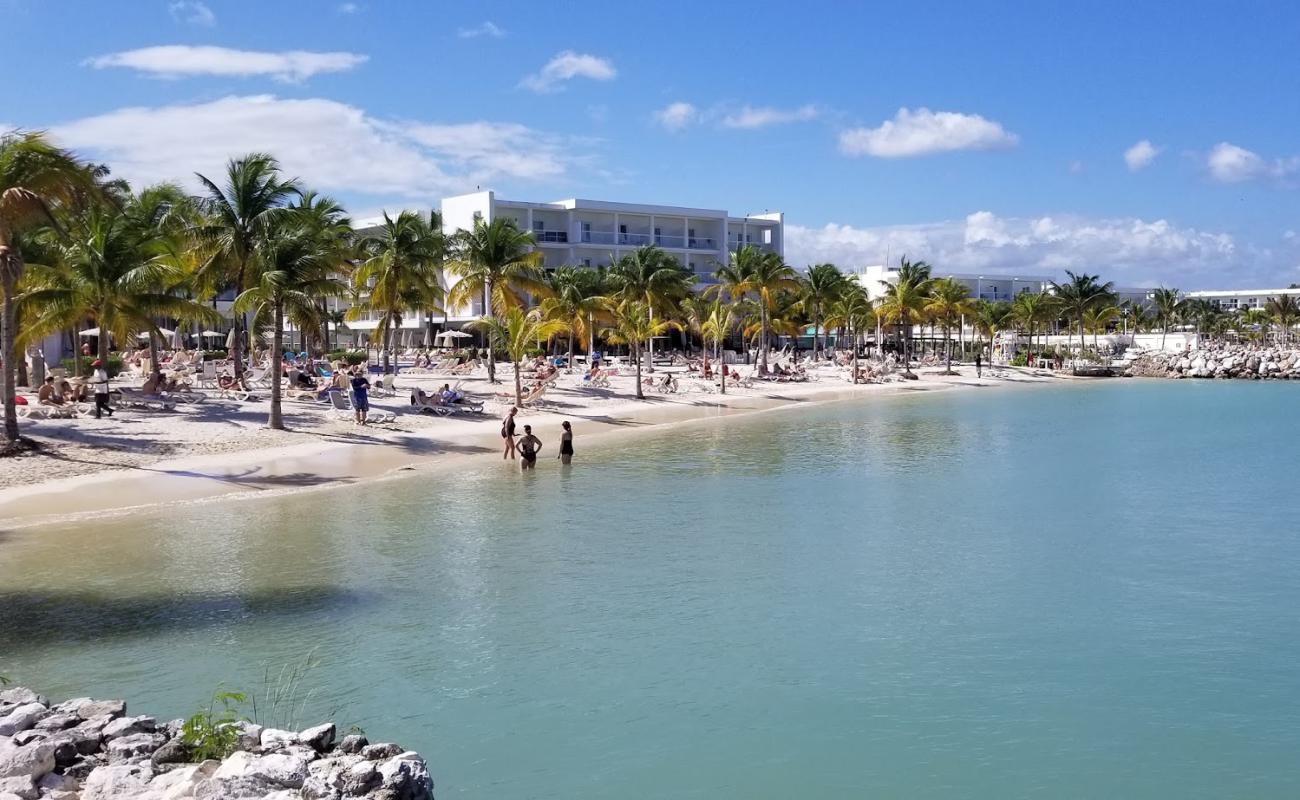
990	287
1234	299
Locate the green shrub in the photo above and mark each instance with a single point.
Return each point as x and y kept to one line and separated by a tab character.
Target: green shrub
1020	360
350	357
114	365
212	733
216	355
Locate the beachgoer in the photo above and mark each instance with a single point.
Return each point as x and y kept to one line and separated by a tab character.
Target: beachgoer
99	380
508	433
979	365
360	395
48	394
566	443
529	447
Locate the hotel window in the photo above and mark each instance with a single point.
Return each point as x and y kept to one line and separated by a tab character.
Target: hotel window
539	225
767	236
586	231
586	262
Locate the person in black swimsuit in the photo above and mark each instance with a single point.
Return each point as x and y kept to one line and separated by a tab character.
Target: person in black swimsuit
529	447
566	443
508	433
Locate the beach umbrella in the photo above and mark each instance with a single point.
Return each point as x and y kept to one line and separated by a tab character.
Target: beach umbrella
455	335
230	339
178	341
89	332
166	334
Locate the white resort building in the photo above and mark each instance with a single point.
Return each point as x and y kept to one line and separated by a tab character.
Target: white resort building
1233	299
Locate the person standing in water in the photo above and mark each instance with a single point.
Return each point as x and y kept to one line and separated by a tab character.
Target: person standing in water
566	443
529	447
508	433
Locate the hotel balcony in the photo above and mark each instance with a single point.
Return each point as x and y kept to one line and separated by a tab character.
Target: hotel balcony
638	239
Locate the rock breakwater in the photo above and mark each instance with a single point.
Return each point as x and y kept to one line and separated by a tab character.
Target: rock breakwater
1242	361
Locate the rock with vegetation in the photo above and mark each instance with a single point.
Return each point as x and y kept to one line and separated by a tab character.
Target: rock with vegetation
86	749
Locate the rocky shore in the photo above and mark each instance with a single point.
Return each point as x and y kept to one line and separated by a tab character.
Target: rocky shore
86	749
1244	361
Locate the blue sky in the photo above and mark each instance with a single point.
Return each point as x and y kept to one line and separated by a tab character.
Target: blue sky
982	136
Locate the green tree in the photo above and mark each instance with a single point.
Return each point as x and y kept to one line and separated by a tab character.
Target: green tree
515	332
240	216
853	311
494	263
715	326
1285	311
653	278
764	275
399	271
992	317
633	326
948	302
1258	318
576	300
1098	319
1168	307
904	302
818	289
1078	296
1032	308
35	178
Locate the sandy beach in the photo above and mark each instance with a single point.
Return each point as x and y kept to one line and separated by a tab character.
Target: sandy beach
221	448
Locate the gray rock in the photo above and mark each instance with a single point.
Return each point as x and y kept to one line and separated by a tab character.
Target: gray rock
71	706
250	734
27	737
73	742
283	770
407	776
326	777
19	787
319	738
274	737
134	747
22	717
95	725
31	761
381	752
21	696
82	768
353	743
57	722
361	779
173	751
182	781
54	782
247	788
98	708
127	726
117	782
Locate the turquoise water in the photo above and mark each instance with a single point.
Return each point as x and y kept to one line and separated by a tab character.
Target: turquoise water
1050	592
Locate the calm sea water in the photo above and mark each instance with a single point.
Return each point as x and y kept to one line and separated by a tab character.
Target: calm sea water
1052	592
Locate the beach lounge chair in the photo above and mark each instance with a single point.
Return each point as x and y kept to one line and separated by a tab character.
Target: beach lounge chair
383	387
430	404
126	397
341	402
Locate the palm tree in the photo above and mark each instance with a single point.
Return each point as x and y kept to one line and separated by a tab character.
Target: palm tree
116	267
948	302
992	317
763	274
329	223
1099	318
715	326
515	332
35	178
1078	296
1031	308
1199	312
494	262
1285	311
818	289
633	326
575	299
297	269
240	216
399	271
904	302
1168	306
1259	318
650	276
852	310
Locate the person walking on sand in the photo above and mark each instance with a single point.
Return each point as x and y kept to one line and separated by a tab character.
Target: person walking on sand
99	380
360	395
979	365
529	447
566	443
508	433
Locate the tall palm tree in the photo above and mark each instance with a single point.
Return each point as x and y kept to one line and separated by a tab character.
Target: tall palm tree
240	216
399	271
1199	312
575	299
764	275
1257	318
818	289
948	302
297	269
633	326
715	327
1285	311
1079	295
650	276
515	332
1031	308
853	311
1098	319
496	263
35	178
1168	306
992	317
117	268
329	224
904	301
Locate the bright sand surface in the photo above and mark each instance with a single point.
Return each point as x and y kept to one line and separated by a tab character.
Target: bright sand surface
219	449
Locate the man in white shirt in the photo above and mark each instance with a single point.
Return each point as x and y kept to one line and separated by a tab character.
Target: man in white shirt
99	382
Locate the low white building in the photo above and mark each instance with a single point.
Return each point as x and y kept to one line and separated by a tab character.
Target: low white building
982	287
1234	299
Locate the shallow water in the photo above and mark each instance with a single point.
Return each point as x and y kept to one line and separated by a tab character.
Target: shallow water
1071	591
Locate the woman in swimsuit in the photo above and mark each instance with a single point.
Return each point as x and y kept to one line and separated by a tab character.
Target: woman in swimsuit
566	443
508	433
529	447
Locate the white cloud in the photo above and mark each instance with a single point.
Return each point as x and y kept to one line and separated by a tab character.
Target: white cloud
1228	163
760	117
676	116
566	66
1140	155
178	61
192	12
1129	251
922	132
487	28
348	8
332	146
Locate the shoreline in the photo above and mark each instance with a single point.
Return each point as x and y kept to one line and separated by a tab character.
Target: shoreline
327	460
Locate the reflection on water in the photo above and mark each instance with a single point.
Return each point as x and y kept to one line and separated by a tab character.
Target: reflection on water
986	594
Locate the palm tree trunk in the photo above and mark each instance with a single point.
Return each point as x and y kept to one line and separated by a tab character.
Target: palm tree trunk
636	350
854	340
488	311
1083	342
650	352
10	268
155	369
519	386
762	318
947	345
275	420
237	320
387	344
568	364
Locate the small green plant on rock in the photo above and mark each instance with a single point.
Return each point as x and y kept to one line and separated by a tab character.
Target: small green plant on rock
213	732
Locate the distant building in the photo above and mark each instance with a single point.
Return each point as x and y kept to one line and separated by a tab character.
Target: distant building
989	286
1234	299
